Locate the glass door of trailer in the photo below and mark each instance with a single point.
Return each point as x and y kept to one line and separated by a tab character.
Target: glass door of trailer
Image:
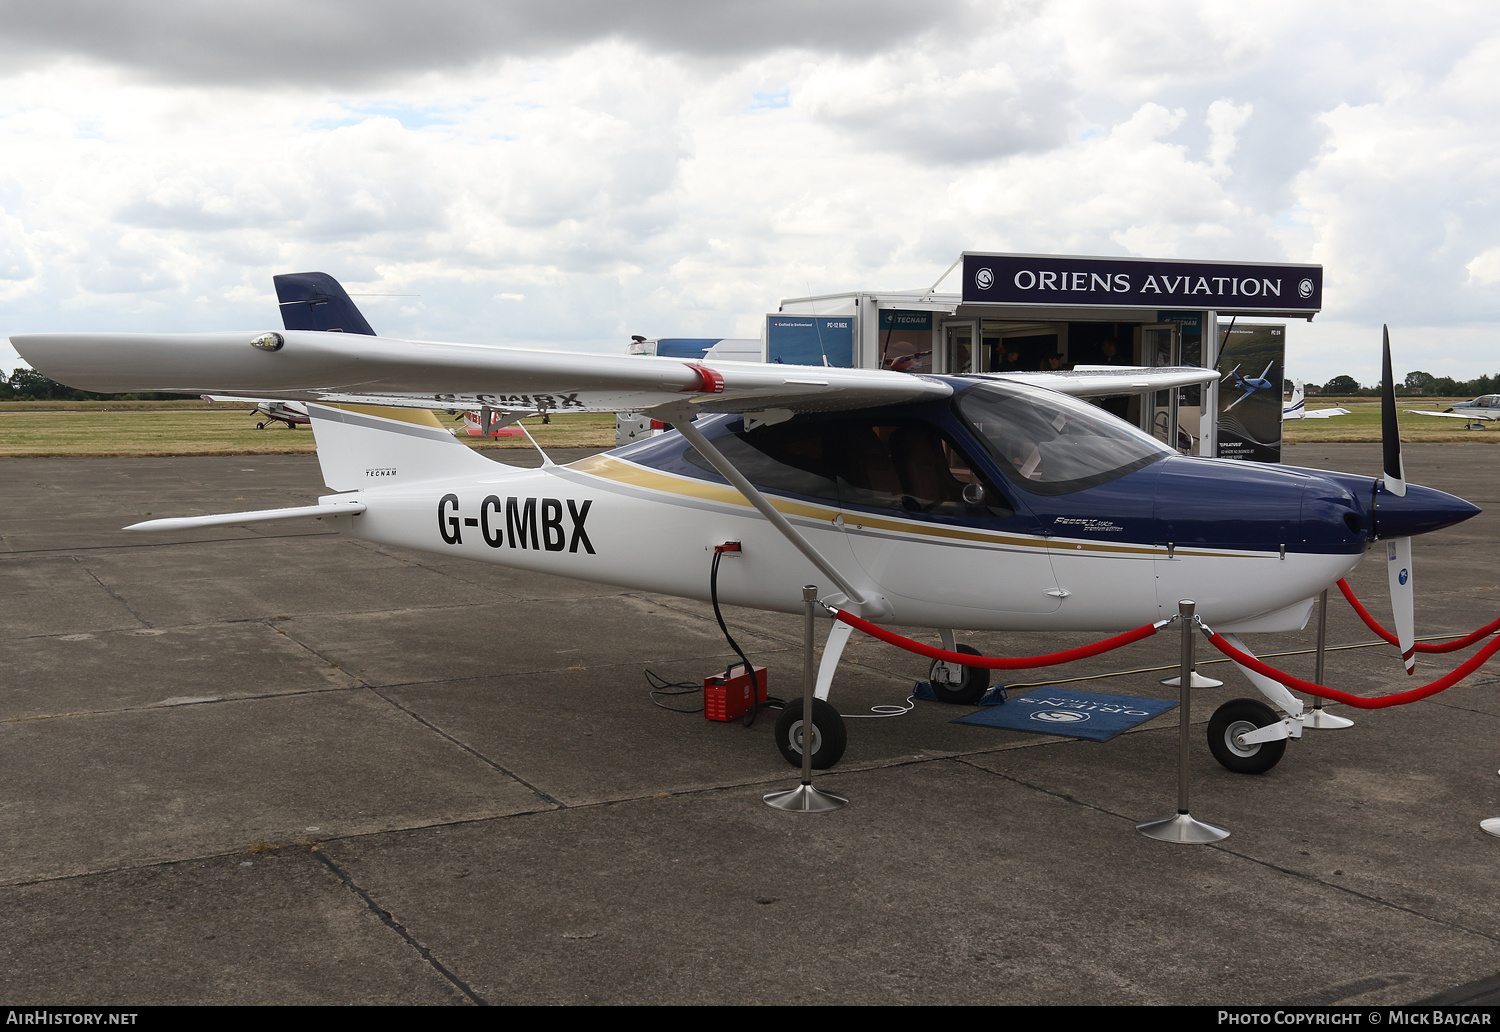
958	347
1161	345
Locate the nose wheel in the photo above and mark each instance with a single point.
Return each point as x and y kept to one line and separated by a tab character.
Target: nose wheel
1230	723
966	688
829	736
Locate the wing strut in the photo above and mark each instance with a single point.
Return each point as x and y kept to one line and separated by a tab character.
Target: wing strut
683	423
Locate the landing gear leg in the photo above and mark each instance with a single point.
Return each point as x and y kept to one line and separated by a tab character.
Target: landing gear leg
833	648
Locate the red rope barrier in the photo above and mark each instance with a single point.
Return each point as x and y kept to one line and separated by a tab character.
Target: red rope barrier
1451	646
996	662
1357	701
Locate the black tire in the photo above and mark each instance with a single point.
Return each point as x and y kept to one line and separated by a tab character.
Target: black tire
1235	718
829	734
260	426
967	692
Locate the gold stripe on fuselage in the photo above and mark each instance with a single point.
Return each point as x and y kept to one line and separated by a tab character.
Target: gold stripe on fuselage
622	471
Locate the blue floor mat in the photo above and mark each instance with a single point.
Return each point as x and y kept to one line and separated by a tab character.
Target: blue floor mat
1052	711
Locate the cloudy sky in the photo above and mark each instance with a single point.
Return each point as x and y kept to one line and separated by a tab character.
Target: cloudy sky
566	174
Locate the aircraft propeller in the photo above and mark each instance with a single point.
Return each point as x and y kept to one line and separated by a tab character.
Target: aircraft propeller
1398	549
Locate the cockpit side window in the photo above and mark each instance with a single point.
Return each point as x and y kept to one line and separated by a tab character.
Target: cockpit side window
1049	443
907	467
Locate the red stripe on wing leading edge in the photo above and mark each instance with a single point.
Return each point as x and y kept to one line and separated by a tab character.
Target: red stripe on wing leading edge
709	381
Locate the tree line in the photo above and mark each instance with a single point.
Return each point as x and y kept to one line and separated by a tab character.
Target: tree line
29	385
1418	382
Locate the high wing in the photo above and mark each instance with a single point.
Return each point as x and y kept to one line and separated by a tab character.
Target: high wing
1471	415
310	365
1087	381
265	403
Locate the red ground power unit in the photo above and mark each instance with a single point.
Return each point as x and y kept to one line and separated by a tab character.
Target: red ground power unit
731	698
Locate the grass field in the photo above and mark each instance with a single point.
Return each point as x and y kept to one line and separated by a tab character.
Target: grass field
197	428
52	428
1363	422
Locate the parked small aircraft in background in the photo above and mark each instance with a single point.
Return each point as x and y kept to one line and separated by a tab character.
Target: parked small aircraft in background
980	502
1474	413
1296	407
485	424
292	413
1249	384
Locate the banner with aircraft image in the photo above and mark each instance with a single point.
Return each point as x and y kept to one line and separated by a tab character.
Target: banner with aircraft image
1252	364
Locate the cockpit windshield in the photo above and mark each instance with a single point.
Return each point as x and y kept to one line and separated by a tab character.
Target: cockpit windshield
1050	443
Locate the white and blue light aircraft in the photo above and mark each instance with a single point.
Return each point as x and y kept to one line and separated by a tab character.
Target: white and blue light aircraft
1296	406
1474	413
987	502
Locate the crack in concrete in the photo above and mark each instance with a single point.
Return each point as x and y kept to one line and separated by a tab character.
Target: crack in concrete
17	552
1268	865
467	748
113	593
455	983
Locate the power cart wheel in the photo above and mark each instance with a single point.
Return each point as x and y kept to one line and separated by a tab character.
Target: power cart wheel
829	735
966	691
1238	717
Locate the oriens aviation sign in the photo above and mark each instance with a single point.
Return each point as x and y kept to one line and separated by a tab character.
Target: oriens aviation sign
1028	279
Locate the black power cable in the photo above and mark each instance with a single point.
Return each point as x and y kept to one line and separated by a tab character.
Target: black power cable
713	595
662	688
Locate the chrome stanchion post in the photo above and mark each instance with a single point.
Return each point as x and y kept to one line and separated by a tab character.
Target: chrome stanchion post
805	798
1491	825
1198	680
1182	827
1319	717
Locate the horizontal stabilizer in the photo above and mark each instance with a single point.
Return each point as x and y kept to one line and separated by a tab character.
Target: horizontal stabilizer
222	519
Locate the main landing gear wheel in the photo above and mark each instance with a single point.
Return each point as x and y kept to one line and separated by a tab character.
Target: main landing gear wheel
829	735
965	692
1238	717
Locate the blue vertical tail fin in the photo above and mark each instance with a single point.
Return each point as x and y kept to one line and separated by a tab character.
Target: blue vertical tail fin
316	301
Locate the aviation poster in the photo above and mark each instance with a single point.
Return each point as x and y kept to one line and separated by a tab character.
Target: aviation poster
1252	363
